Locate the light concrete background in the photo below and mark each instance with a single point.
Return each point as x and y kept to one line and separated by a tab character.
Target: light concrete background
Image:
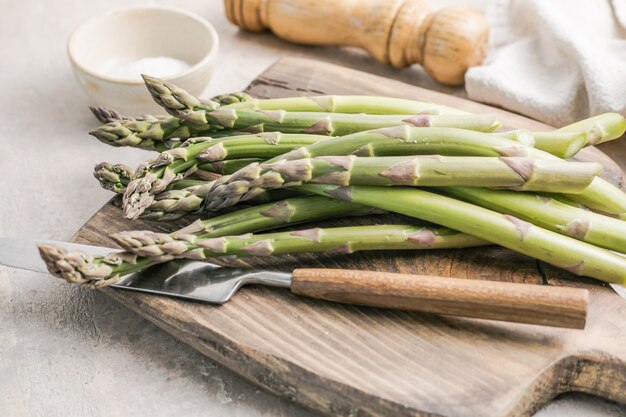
66	351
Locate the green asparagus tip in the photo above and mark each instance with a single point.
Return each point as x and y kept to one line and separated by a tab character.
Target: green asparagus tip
107	115
176	101
113	177
78	267
232	98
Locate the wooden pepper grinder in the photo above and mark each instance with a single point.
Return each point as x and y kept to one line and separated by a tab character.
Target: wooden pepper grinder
396	32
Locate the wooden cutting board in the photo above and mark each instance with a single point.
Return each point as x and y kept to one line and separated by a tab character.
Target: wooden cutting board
350	361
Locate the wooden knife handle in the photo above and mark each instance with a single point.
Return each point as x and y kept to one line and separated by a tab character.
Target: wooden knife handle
396	32
493	300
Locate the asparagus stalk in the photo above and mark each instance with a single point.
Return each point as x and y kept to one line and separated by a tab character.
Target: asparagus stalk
602	197
182	105
518	173
567	141
158	133
174	98
565	252
346	104
154	176
563	144
599	129
551	214
97	271
336	240
405	140
150	133
335	124
108	115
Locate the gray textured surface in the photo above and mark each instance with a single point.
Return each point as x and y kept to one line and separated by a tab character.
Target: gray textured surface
66	351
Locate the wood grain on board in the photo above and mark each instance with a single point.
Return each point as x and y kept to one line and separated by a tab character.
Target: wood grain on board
354	361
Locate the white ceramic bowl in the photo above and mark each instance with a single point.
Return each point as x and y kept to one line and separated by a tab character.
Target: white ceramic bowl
120	37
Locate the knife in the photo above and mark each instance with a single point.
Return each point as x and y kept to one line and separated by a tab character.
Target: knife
202	281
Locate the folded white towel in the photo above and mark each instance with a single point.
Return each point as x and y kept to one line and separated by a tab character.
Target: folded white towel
557	61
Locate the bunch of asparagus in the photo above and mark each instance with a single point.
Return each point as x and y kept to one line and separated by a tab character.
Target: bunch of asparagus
304	159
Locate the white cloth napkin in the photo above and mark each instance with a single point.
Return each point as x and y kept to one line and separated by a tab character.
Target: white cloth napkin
557	61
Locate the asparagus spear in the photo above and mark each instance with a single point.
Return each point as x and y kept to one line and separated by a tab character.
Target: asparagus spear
153	176
184	106
151	133
337	240
551	214
519	173
559	143
602	197
335	124
97	271
108	115
173	97
158	133
347	104
599	129
405	140
565	252
567	141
